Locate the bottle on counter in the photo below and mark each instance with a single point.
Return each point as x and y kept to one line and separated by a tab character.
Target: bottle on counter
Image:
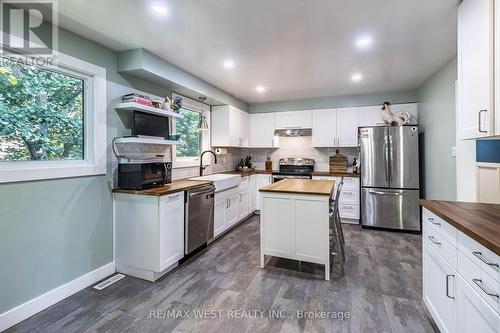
355	166
269	164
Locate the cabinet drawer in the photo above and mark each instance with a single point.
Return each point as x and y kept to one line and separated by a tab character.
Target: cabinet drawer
480	281
351	183
480	255
349	211
441	226
440	244
349	197
245	181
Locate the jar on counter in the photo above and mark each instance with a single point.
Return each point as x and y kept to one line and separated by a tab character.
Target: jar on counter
269	164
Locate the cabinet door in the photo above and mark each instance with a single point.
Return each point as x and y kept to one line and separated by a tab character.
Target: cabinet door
262	130
294	119
262	181
324	130
347	127
235	127
475	69
219	217
232	213
439	293
474	314
370	115
244	204
245	128
171	229
220	128
252	194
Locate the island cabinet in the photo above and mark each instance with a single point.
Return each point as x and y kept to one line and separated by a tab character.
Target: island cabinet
295	221
149	233
461	281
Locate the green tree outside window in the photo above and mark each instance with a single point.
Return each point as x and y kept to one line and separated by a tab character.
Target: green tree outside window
187	128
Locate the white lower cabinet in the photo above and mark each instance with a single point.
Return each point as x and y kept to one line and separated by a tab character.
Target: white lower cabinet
252	185
349	198
465	299
232	206
149	234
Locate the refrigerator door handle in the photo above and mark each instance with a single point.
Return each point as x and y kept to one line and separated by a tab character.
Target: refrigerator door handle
390	157
385	193
386	157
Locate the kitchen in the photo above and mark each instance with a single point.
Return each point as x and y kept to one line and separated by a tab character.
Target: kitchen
198	184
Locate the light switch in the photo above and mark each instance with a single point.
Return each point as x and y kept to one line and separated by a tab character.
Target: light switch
454	151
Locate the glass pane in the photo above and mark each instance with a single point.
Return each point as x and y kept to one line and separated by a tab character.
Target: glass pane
41	114
187	128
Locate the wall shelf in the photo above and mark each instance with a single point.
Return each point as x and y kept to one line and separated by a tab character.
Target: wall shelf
147	140
131	106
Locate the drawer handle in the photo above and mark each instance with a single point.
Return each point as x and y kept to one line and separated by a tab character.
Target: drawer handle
431	220
479	283
431	238
348	208
447	285
479	255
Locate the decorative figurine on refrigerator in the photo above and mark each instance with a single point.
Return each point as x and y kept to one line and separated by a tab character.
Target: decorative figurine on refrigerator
398	119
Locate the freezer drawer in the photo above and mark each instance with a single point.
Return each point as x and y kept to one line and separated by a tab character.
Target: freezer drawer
389	208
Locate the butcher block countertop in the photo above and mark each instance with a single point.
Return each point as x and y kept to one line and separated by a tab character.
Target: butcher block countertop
175	186
479	221
301	186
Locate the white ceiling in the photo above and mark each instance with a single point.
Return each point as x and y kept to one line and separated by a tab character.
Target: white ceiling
295	48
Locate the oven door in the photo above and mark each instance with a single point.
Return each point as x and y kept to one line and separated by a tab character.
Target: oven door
277	178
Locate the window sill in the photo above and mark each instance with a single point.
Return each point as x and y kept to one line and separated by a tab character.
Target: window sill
21	172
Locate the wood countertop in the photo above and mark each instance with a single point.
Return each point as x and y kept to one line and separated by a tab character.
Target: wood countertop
244	173
175	186
301	186
335	174
479	221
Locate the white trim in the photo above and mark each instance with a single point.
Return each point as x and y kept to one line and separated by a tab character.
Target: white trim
32	307
95	128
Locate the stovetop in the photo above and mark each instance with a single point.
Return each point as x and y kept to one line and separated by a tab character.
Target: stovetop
295	166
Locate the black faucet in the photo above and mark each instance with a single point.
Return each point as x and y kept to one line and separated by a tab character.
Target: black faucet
201	161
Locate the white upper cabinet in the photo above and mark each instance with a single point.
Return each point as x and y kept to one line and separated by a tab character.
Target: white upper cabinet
230	127
262	130
475	69
335	127
324	130
347	127
293	119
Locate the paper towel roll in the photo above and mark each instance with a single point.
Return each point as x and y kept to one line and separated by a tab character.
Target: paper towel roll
220	151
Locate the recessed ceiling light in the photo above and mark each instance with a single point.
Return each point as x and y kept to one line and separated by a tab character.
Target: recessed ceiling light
159	9
260	89
364	42
356	77
228	64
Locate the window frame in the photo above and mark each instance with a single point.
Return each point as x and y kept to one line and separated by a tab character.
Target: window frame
195	106
94	130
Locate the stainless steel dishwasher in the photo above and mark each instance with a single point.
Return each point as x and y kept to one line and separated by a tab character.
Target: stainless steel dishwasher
199	220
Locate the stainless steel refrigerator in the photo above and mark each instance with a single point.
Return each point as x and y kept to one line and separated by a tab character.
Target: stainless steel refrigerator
390	188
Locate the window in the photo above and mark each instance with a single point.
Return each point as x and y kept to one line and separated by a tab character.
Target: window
193	141
187	128
52	119
41	114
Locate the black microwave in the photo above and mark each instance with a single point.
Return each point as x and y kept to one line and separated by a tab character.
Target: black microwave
143	175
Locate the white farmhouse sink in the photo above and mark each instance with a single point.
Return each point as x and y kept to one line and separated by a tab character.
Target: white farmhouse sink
221	181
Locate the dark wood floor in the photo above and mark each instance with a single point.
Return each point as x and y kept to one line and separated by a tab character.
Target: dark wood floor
380	291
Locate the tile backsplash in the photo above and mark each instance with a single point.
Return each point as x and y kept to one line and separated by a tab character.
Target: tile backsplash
298	147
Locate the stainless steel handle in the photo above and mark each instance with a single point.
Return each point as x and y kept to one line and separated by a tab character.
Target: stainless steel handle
479	255
480	122
192	194
479	283
447	285
385	193
431	220
386	158
227	203
348	207
431	238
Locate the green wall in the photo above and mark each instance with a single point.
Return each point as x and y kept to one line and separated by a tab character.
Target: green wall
336	101
437	121
54	231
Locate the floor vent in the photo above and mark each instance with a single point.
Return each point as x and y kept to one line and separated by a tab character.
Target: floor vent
109	281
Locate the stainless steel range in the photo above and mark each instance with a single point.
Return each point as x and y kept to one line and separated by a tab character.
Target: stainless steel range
296	167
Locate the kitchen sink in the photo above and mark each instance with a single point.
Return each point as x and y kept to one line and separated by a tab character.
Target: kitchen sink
221	181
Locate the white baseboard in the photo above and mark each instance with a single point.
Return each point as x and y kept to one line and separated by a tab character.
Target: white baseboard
28	309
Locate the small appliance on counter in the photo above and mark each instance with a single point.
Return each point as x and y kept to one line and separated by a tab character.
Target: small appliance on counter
143	174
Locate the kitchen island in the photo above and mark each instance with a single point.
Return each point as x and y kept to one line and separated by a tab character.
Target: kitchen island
295	221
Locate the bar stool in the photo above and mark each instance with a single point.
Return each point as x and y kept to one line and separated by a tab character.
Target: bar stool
337	241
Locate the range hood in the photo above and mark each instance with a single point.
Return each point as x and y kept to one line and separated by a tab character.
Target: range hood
293	132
